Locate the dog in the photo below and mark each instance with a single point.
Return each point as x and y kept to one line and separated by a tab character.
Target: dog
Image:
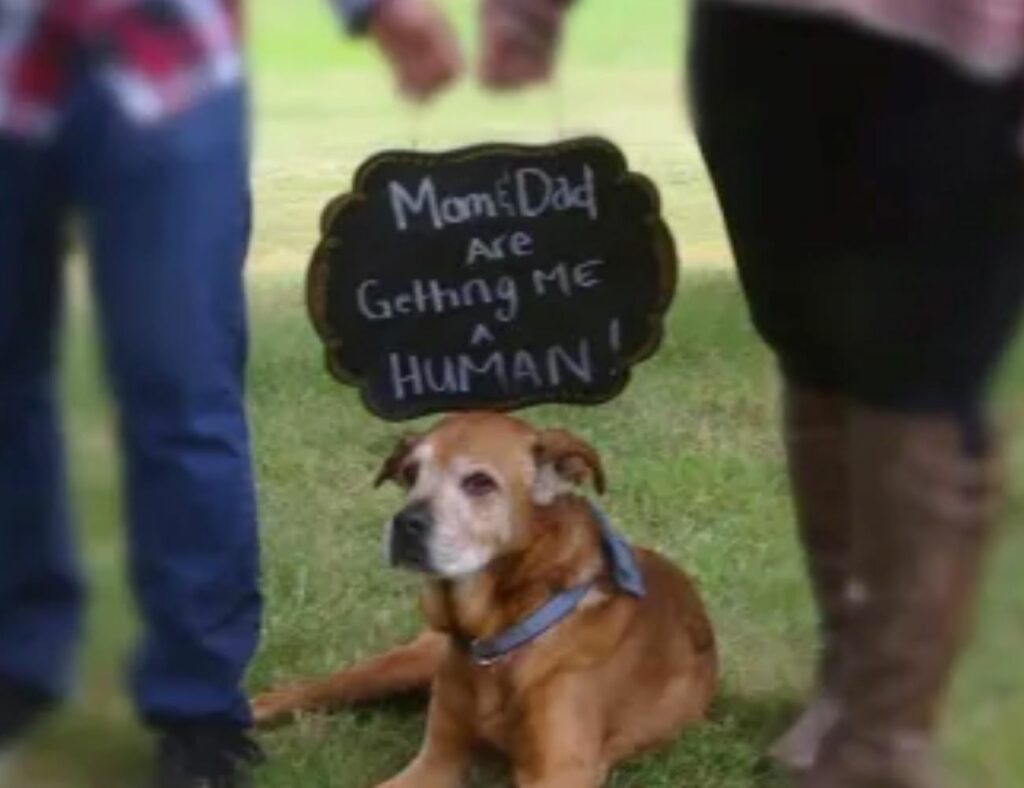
548	638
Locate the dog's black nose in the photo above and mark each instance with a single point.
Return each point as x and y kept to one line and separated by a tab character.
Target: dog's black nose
414	520
410	531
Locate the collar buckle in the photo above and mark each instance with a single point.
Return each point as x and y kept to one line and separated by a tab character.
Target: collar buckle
486	662
480	657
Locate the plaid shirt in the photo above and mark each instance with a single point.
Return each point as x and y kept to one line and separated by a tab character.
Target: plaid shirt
156	56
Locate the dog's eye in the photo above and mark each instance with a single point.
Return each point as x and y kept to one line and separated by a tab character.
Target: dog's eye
409	474
479	484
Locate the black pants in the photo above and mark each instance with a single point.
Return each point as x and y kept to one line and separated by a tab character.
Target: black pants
874	196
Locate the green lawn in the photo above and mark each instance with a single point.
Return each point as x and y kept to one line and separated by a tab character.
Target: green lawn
691	447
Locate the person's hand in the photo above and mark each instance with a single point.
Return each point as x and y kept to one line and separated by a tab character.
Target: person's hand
520	41
416	39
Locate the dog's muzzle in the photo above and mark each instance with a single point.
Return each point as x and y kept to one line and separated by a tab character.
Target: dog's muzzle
409	536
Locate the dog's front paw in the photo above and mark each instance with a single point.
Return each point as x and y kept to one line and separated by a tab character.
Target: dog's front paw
277	707
394	782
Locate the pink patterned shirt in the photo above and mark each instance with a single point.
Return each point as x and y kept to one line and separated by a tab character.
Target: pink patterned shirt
986	37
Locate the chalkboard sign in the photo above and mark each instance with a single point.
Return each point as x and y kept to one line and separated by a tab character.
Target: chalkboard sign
492	277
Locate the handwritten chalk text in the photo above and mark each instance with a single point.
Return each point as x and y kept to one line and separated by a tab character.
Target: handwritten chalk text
514	372
527	192
432	297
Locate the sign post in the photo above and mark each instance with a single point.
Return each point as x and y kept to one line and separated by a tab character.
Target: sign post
493	277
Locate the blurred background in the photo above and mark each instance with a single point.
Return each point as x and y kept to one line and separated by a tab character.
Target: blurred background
691	448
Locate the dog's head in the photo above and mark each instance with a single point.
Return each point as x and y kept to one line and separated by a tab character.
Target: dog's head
472	485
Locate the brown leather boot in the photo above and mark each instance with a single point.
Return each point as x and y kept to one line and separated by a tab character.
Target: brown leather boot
922	508
815	431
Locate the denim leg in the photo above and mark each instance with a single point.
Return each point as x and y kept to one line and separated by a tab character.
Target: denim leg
167	212
39	585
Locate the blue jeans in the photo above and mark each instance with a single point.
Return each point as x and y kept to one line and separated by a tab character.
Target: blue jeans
165	210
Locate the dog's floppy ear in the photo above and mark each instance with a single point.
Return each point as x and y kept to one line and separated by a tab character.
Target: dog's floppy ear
563	457
390	467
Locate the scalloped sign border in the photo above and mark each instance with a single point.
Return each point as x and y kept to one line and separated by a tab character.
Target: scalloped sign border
495	277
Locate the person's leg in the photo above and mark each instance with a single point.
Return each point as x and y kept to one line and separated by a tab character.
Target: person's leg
772	159
924	494
166	209
816	432
924	480
899	293
39	585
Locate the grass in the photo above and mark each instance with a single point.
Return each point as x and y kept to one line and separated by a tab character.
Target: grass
691	447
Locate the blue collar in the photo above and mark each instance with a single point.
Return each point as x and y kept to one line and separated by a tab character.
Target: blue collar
625	574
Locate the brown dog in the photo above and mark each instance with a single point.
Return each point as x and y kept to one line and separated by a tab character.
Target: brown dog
491	521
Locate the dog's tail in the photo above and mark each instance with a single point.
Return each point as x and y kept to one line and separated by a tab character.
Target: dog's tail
406	669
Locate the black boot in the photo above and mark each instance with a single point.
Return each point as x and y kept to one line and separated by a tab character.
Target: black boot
205	755
20	706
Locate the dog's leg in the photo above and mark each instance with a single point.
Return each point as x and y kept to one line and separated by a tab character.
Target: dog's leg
559	744
405	669
445	755
566	777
